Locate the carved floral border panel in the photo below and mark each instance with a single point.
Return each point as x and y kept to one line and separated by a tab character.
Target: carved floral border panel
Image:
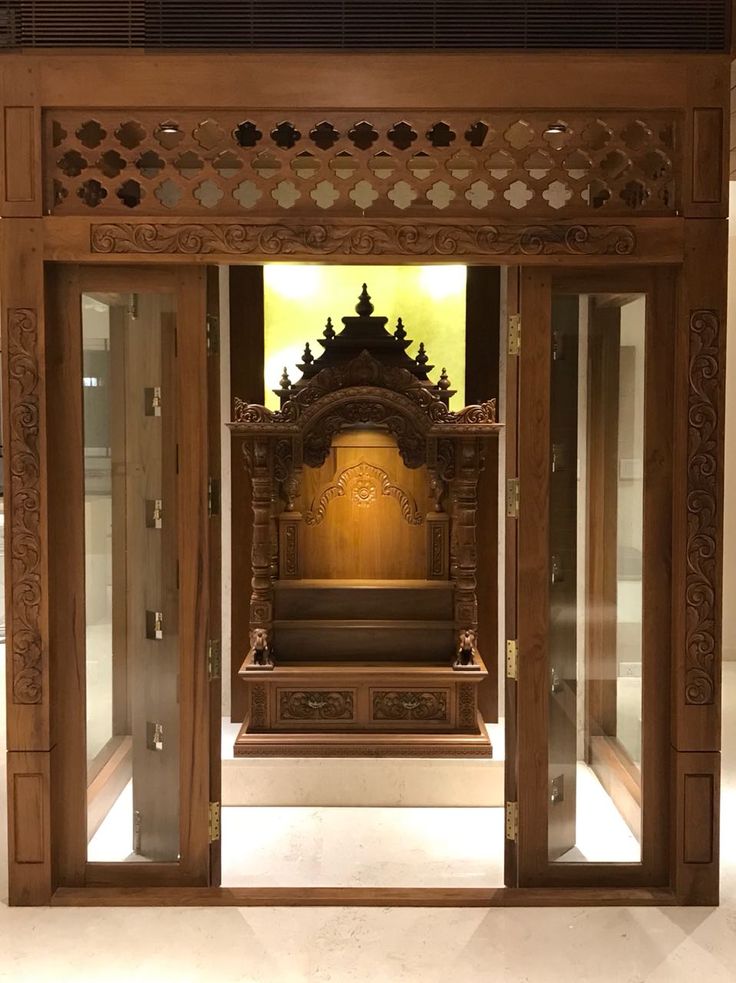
429	705
316	705
270	163
24	506
702	610
386	239
366	482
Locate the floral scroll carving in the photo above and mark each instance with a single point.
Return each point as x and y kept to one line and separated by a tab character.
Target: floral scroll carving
408	705
702	615
258	705
361	240
466	710
291	549
314	705
365	479
25	506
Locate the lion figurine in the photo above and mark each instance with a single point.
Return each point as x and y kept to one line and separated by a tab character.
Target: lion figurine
261	650
465	649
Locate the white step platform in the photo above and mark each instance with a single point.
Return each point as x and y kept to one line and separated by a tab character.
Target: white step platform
377	782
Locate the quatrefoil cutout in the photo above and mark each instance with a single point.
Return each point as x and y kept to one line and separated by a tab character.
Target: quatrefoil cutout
247	194
479	194
441	194
208	194
363	194
441	135
402	194
130	134
324	135
247	134
401	135
324	194
92	193
285	135
286	194
363	135
518	194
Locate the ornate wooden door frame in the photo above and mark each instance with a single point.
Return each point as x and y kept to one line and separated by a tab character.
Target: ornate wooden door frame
690	235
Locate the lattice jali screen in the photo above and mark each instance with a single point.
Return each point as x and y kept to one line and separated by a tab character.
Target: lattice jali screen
385	164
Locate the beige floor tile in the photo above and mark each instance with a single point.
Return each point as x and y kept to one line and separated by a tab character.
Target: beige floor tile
340	945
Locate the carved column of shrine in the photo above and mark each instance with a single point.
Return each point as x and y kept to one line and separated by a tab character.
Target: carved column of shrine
259	460
468	465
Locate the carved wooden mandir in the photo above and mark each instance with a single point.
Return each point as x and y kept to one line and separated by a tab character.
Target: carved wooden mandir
363	610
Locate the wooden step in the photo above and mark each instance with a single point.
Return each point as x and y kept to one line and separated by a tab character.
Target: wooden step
331	640
367	599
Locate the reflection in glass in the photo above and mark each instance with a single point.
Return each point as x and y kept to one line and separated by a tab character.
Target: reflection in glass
596	539
131	596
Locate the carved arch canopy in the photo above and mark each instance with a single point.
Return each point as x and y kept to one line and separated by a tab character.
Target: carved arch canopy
368	407
363	391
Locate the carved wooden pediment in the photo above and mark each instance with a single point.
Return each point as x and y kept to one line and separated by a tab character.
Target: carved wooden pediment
364	377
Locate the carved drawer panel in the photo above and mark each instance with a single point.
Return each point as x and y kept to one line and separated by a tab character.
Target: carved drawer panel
311	706
407	706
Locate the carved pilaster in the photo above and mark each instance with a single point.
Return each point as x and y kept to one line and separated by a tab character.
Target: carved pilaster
24	511
438	546
260	464
273	531
258	706
468	466
703	506
466	706
289	546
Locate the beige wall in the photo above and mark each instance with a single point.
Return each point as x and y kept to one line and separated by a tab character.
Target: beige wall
729	537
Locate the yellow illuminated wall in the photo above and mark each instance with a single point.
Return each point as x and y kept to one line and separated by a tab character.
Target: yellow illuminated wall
298	300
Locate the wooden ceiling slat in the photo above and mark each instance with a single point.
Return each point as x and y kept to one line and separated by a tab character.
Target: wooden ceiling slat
553	24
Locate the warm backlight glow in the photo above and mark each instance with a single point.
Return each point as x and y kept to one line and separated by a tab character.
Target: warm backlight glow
293	281
298	299
443	281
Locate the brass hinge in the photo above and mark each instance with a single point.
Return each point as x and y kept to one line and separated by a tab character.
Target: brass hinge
213	496
557	790
512	821
155	625
214	822
214	659
512	658
213	334
154	513
512	498
154	736
152	400
514	334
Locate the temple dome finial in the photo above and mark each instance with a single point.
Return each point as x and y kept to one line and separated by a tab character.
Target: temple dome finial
364	307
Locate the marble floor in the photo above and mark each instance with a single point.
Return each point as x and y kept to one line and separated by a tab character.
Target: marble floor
332	945
348	846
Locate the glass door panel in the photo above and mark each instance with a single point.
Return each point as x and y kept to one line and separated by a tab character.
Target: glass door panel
594	599
131	564
595	593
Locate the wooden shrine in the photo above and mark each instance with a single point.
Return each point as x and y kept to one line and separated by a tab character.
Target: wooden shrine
363	612
152	173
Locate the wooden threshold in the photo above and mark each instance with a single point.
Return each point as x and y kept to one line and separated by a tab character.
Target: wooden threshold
501	897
